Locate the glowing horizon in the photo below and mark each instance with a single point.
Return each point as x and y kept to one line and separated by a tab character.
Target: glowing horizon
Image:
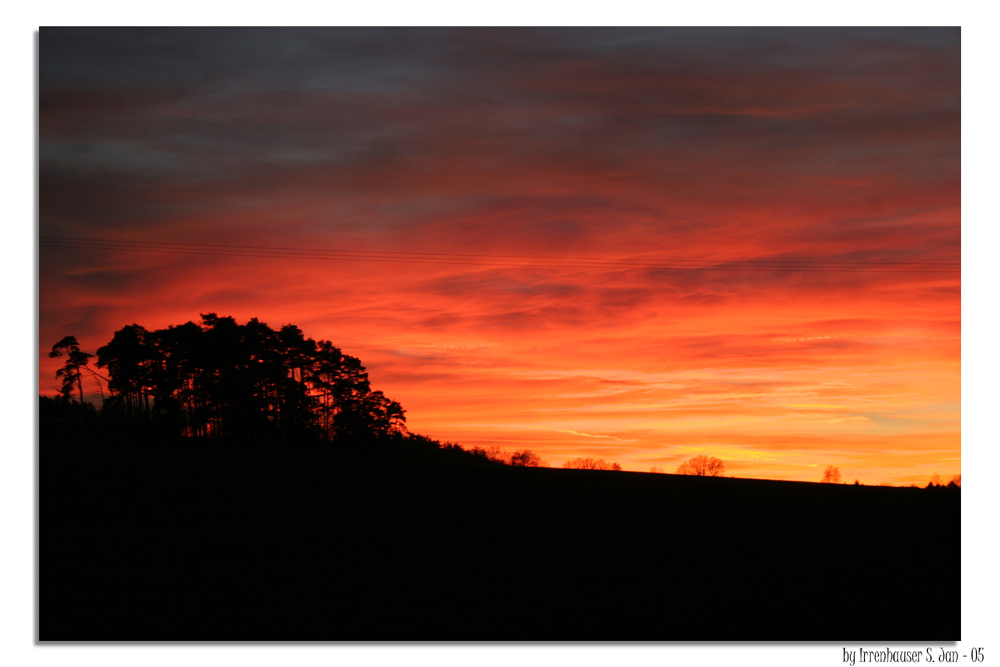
834	148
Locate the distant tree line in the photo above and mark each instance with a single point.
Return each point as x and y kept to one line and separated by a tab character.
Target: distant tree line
832	476
591	464
521	458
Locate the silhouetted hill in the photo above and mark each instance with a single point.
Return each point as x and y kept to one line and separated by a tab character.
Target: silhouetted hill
146	544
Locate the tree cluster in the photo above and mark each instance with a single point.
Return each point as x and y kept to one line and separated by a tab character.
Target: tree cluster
248	382
703	466
831	475
936	482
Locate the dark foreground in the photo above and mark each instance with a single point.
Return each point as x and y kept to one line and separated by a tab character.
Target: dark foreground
142	545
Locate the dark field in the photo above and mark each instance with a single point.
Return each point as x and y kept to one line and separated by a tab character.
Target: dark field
156	545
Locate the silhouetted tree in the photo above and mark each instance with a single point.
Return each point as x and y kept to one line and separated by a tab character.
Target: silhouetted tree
72	371
703	466
327	378
590	464
657	469
493	453
831	475
372	414
526	458
130	361
957	480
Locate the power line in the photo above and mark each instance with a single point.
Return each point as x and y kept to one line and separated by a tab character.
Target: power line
467	255
486	260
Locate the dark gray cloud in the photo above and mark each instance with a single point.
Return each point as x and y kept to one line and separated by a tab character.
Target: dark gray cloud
477	113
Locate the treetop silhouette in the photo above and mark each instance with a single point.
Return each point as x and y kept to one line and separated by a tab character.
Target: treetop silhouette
703	466
218	378
831	475
77	362
591	464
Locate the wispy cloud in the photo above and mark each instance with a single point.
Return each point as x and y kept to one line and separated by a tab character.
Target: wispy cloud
591	435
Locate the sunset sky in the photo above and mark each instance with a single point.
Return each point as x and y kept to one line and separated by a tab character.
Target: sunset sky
630	244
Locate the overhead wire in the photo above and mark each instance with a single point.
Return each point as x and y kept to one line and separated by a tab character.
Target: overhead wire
488	260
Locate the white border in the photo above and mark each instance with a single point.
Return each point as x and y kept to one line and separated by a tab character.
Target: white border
979	533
